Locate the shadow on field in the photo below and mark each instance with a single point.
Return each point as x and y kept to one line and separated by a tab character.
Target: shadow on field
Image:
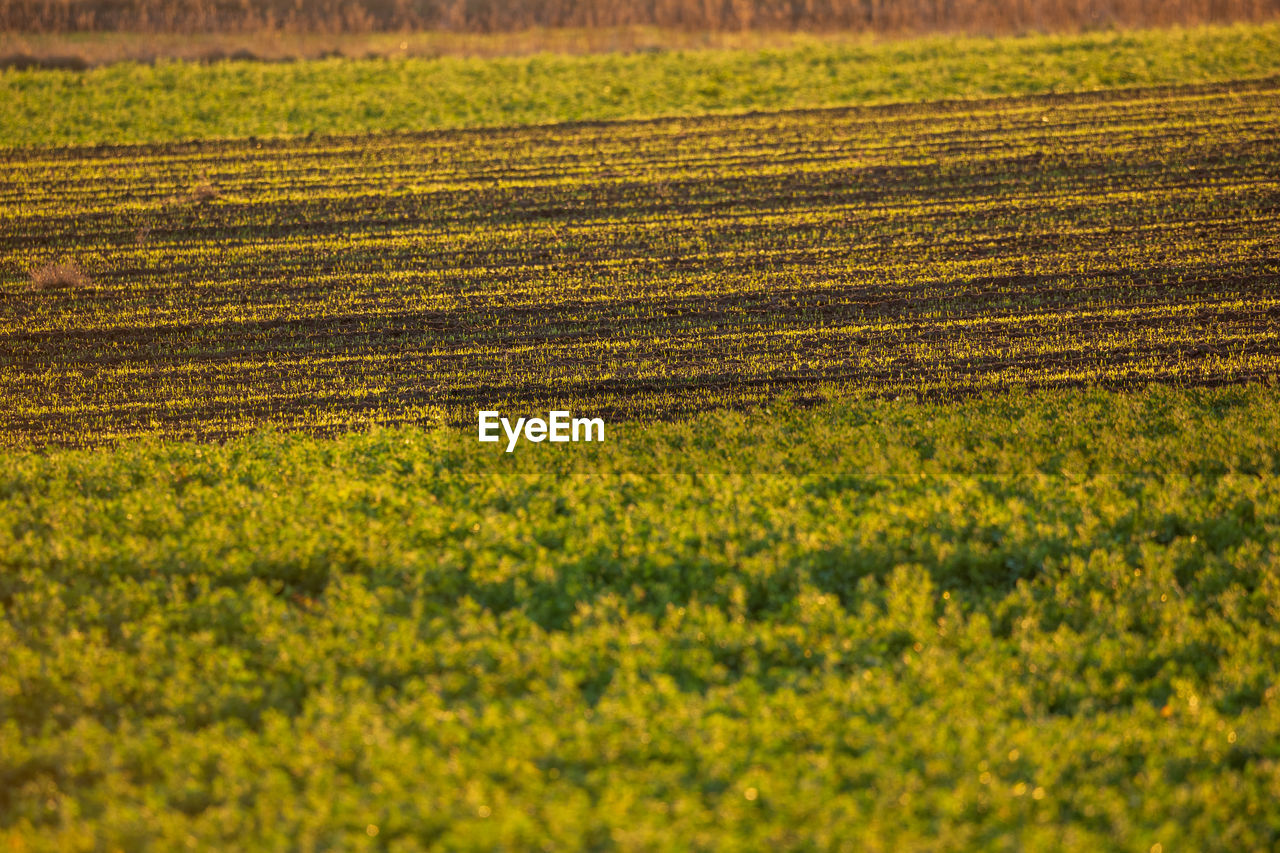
761	591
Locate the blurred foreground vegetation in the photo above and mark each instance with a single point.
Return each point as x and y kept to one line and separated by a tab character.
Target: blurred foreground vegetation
1027	622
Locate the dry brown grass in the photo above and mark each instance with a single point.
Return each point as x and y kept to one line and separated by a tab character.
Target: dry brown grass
362	16
60	275
203	192
72	50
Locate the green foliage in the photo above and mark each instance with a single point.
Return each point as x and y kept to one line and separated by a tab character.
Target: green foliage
174	101
1027	622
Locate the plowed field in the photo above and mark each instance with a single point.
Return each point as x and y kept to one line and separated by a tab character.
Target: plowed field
643	270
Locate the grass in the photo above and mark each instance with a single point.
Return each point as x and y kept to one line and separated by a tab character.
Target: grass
1033	622
645	270
132	103
59	275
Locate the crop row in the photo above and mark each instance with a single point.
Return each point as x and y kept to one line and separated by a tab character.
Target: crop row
643	269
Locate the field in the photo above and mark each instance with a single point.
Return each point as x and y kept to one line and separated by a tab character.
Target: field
642	270
939	505
1024	623
176	101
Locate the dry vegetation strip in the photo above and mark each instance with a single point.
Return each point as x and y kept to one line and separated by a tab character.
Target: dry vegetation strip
1196	54
78	51
644	269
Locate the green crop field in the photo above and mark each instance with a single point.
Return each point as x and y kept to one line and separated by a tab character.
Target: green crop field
1022	623
172	101
938	506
